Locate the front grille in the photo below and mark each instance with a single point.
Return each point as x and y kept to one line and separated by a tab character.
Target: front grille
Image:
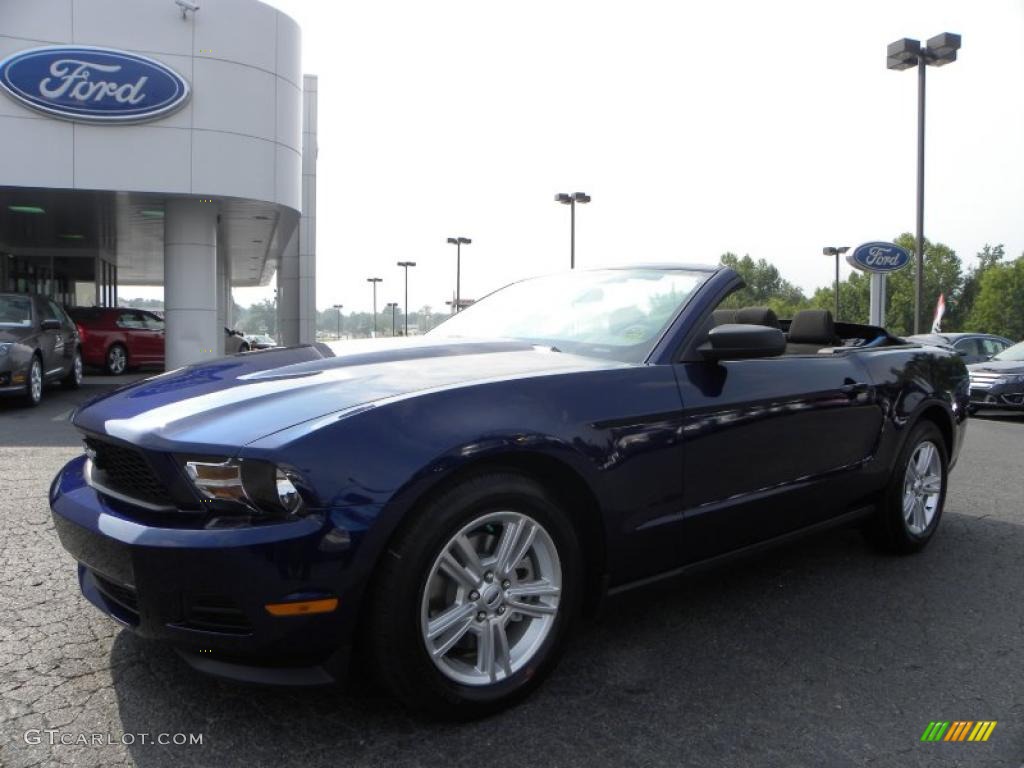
216	614
984	379
126	471
120	595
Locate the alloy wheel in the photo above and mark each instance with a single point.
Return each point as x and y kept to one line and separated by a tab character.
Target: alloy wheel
922	487
76	369
491	598
35	381
117	360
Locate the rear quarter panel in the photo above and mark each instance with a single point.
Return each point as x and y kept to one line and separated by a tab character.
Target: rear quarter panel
910	380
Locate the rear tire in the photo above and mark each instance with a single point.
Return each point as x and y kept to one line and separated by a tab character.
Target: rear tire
117	360
911	507
74	378
510	615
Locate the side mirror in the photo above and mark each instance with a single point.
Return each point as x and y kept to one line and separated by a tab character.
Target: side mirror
50	325
962	352
741	342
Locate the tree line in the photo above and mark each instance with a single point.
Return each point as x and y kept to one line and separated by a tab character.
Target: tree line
987	297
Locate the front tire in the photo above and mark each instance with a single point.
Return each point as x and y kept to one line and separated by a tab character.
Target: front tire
117	359
34	382
911	508
475	597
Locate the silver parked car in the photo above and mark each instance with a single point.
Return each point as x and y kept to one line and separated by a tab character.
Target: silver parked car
38	344
972	347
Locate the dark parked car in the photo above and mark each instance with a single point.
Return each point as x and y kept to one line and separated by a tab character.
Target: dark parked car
116	338
972	347
999	383
38	345
455	500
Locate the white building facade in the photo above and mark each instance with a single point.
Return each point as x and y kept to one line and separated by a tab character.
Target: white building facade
145	143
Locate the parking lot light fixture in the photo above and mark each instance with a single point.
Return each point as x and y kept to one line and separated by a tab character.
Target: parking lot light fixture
392	305
405	265
904	54
837	251
375	280
339	307
458	242
571	199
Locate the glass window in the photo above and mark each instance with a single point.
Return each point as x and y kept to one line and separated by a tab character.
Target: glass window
614	313
130	320
1016	352
971	347
991	347
58	313
49	312
16	311
152	322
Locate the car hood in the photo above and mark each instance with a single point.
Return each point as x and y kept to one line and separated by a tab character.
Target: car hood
998	366
235	400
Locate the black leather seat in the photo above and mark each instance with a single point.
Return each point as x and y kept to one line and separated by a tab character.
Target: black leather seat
811	330
757	316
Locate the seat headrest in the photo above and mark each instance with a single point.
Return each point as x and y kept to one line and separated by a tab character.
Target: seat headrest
757	316
812	326
723	316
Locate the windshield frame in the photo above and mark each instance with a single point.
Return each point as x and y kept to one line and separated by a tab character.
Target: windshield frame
639	353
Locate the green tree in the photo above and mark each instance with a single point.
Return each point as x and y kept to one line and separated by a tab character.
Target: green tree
765	287
854	298
1000	301
943	274
989	256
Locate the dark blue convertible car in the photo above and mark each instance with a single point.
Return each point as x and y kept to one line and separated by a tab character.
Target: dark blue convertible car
443	508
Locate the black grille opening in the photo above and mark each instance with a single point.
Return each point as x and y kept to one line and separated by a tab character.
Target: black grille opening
126	471
216	614
120	595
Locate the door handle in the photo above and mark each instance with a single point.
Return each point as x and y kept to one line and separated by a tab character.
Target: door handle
855	388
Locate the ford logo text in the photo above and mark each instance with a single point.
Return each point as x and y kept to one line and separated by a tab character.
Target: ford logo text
97	85
879	257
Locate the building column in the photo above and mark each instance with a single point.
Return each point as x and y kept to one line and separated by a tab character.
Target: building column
190	283
223	293
307	224
288	292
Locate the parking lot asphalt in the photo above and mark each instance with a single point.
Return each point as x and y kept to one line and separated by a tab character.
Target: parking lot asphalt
824	653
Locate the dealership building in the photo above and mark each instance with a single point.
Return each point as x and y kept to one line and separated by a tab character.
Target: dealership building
154	142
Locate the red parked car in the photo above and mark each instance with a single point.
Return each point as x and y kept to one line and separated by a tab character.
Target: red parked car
114	338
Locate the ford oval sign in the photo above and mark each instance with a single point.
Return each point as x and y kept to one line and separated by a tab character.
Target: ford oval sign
879	257
96	85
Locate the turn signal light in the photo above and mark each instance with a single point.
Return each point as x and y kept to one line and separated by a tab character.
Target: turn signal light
303	608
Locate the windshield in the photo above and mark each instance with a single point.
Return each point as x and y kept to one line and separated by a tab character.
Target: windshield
1016	352
614	313
16	311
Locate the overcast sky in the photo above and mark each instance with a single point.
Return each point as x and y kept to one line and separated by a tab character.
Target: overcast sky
763	128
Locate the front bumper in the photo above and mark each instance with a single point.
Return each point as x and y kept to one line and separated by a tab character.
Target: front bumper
204	591
1004	395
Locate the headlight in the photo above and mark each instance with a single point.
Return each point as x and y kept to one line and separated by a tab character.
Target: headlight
260	486
5	348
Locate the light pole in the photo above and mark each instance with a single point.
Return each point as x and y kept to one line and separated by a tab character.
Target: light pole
339	307
571	199
458	242
405	265
392	305
904	54
837	251
375	280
